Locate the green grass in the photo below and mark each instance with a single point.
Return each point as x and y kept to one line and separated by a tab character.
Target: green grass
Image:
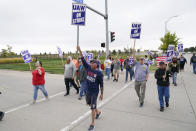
53	66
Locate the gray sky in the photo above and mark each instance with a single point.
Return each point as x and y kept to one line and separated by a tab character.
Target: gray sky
41	25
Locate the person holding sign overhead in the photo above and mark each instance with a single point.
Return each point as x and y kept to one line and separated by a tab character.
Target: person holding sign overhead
94	79
38	80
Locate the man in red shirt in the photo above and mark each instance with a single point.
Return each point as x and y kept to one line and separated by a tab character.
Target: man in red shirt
121	63
38	80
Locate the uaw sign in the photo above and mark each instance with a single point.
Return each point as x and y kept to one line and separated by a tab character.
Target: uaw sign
136	31
26	56
78	14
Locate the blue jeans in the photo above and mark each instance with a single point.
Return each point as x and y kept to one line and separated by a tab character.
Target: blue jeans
194	68
107	71
83	88
121	67
42	88
163	91
174	76
131	72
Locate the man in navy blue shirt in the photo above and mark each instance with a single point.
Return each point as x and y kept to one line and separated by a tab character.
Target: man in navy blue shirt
94	80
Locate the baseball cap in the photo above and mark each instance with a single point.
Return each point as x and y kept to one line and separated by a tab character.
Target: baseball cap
161	63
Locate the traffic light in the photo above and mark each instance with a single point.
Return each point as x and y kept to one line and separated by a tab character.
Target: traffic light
103	45
112	34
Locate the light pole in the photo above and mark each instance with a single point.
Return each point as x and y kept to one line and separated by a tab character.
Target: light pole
168	21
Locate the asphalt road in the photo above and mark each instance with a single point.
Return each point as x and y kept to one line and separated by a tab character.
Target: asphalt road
121	111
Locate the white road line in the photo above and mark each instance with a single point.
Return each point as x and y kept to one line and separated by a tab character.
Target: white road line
85	115
38	101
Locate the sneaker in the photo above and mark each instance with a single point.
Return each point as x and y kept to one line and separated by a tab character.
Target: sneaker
117	80
66	94
91	128
162	109
114	80
167	104
97	115
34	101
141	104
80	98
175	84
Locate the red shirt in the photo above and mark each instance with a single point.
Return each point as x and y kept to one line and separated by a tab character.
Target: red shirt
37	78
121	61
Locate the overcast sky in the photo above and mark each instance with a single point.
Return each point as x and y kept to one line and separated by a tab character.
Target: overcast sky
41	25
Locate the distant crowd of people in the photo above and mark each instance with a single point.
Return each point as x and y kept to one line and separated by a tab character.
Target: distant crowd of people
88	80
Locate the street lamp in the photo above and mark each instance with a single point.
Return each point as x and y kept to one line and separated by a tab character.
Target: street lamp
168	21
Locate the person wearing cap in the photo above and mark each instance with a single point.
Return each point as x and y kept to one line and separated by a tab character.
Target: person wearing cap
38	80
69	74
193	62
94	80
174	68
162	75
141	77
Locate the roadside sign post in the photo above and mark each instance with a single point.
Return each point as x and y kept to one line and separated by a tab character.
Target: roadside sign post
135	33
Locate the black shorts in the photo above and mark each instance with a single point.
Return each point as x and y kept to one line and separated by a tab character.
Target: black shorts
91	100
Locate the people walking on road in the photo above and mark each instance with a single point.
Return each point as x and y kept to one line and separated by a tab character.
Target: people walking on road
116	69
107	64
112	66
183	61
174	67
193	62
38	80
82	73
146	60
162	75
141	77
129	69
121	63
69	74
94	80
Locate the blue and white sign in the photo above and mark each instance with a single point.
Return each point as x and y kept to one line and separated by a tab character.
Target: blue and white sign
149	53
78	14
90	56
170	54
60	52
170	48
79	1
131	60
136	31
180	47
26	56
150	62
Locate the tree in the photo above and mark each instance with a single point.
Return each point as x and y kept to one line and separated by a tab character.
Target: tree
7	52
169	39
114	52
